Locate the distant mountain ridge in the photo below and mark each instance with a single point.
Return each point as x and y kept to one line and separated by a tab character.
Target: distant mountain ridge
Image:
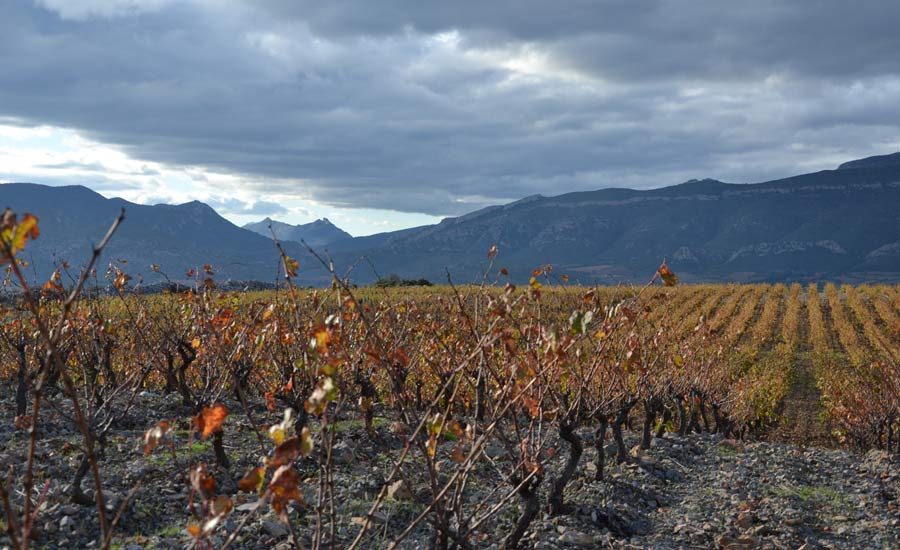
881	161
177	238
318	233
841	225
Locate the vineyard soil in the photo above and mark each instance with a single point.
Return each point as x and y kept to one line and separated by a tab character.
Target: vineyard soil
698	491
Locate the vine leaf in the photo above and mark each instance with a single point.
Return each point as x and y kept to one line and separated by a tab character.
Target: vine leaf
667	276
156	435
253	480
210	420
14	235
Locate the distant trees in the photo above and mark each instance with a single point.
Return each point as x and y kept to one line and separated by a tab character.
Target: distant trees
393	280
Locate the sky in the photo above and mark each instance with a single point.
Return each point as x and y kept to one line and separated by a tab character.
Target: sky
396	113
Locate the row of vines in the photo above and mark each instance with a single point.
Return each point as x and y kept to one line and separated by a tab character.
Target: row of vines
451	383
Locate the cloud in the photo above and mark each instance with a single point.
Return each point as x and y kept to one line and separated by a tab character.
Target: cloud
441	109
241	208
73	165
80	10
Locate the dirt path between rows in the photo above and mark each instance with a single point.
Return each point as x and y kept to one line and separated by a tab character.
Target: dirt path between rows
802	412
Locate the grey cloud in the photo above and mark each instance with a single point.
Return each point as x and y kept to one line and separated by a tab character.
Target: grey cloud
80	10
360	105
73	165
239	207
645	38
147	171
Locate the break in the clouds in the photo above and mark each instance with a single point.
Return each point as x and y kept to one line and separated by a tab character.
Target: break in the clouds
440	108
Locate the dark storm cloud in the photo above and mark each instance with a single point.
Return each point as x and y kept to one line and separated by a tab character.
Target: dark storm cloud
444	107
647	38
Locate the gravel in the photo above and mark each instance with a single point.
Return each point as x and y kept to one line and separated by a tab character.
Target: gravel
698	491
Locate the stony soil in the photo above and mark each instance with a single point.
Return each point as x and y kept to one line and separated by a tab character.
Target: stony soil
699	491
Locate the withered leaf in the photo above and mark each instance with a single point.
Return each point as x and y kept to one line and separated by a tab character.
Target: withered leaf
210	419
253	480
667	276
155	435
285	487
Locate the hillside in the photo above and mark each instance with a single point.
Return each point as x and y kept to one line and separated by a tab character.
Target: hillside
318	233
175	237
836	225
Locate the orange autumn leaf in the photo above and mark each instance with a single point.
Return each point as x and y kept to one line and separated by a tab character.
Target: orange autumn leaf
667	276
210	420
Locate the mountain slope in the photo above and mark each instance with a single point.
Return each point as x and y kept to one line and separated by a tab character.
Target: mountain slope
317	233
175	237
835	224
839	225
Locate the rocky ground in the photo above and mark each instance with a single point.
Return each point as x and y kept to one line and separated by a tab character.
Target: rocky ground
699	491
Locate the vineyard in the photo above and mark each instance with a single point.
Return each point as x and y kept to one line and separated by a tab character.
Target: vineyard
444	417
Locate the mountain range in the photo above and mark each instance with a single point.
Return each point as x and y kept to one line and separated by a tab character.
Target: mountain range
840	225
177	238
318	233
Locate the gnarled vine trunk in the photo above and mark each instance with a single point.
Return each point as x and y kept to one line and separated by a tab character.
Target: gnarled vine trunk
567	433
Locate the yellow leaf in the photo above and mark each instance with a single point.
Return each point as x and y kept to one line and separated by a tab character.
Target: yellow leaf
291	267
667	276
27	228
277	434
306	442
